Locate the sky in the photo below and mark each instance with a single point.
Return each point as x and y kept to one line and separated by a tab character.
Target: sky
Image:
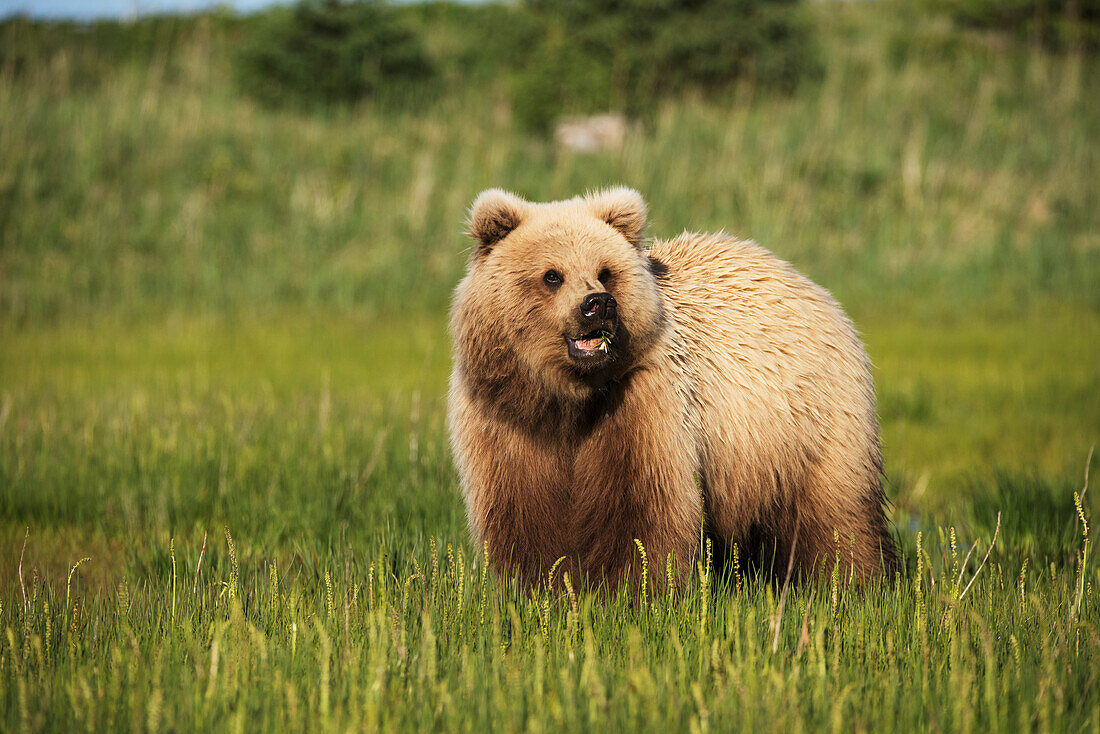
93	9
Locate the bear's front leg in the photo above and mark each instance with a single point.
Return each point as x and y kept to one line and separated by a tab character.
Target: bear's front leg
516	494
634	478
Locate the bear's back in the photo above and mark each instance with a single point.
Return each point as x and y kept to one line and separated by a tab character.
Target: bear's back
731	295
779	378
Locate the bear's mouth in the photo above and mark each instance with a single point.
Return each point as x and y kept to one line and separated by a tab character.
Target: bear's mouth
596	343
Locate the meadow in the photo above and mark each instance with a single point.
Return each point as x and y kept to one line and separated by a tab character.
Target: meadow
226	492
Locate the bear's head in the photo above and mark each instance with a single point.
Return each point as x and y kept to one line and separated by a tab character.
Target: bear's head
559	299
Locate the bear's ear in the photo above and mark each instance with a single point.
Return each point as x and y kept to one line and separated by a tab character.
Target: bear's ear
623	208
493	215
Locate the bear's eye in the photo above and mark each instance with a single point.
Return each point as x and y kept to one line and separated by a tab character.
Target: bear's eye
552	278
604	276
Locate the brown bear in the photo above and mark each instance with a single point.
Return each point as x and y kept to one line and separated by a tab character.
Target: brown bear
605	391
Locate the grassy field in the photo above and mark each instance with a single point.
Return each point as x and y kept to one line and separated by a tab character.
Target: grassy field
226	493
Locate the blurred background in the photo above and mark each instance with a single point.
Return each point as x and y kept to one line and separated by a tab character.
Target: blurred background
228	238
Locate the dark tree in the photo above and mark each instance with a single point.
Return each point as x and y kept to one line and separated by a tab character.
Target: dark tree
330	52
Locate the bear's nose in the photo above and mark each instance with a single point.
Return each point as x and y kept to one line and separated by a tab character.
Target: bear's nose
599	305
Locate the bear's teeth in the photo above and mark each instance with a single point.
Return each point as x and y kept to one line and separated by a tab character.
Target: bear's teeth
587	345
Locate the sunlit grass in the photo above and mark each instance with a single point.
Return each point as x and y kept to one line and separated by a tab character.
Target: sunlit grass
223	366
415	634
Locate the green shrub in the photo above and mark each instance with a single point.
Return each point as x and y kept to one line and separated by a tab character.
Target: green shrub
627	54
328	52
475	44
1056	24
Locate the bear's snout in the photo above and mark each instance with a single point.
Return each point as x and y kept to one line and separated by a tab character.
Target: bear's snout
599	307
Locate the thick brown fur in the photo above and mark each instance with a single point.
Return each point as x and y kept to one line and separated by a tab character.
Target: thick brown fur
734	390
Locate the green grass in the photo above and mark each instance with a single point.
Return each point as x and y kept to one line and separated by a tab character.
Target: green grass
214	316
322	457
929	172
399	642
